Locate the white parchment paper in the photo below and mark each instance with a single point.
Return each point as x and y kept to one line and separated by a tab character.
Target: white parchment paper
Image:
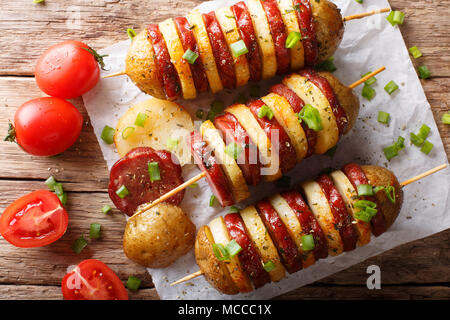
368	44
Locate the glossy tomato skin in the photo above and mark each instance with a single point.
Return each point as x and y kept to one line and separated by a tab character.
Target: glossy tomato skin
34	220
93	280
67	70
47	126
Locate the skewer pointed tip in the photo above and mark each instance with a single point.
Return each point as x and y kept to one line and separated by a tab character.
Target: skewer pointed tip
423	175
116	74
365	14
188	277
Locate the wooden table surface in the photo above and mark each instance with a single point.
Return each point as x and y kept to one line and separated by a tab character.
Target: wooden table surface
417	270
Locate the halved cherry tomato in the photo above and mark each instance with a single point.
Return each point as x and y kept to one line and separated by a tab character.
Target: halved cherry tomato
34	220
93	280
47	126
67	70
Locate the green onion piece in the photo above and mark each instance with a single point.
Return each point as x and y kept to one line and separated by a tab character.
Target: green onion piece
122	192
332	151
378	188
427	146
391	87
359	1
50	182
233	150
234	209
369	81
172	143
216	108
200	113
416	140
269	266
108	134
308	242
446	118
327	65
233	248
255	91
415	52
363	216
94	231
265	111
400	143
133	283
127	132
140	119
390	193
63	198
79	245
368	92
424	131
153	171
58	188
292	39
424	72
193	185
238	48
190	56
390	151
220	252
212	200
284	182
106	209
383	117
364	204
398	17
365	190
131	33
311	116
38	1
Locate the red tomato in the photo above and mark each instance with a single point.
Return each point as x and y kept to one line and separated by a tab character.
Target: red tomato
93	280
67	70
47	126
34	220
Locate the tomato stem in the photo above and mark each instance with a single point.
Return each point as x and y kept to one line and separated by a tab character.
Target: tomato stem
11	136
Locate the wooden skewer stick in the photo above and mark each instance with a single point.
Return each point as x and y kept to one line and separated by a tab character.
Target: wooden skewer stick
115	74
365	14
404	183
364	79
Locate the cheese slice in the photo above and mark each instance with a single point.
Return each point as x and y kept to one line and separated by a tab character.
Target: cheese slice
349	194
231	169
176	52
288	119
270	160
205	51
230	30
263	37
293	226
263	243
289	17
321	209
311	94
237	273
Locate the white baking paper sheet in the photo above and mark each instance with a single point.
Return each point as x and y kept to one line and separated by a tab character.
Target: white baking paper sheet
368	44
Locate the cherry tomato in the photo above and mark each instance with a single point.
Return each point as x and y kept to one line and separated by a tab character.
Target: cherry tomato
47	126
93	280
67	70
34	220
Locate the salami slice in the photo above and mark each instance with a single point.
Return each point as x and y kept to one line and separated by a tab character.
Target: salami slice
131	171
309	223
214	174
305	18
356	176
249	256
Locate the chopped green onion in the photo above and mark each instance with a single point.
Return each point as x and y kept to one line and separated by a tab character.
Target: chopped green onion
238	48
391	87
367	211
400	143
416	140
265	111
378	188
369	81
284	182
133	283
153	171
127	132
415	52
200	113
220	252
395	17
172	143
446	118
424	72
79	245
390	193
50	182
233	150
63	198
212	200
131	33
327	65
368	92
427	146
58	188
311	116
365	190
106	209
122	192
424	131
363	216
38	1
292	39
390	151
193	185
233	248
255	91
190	56
234	209
308	242
94	231
364	204
269	266
108	134
383	117
332	151
359	1
216	108
140	119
